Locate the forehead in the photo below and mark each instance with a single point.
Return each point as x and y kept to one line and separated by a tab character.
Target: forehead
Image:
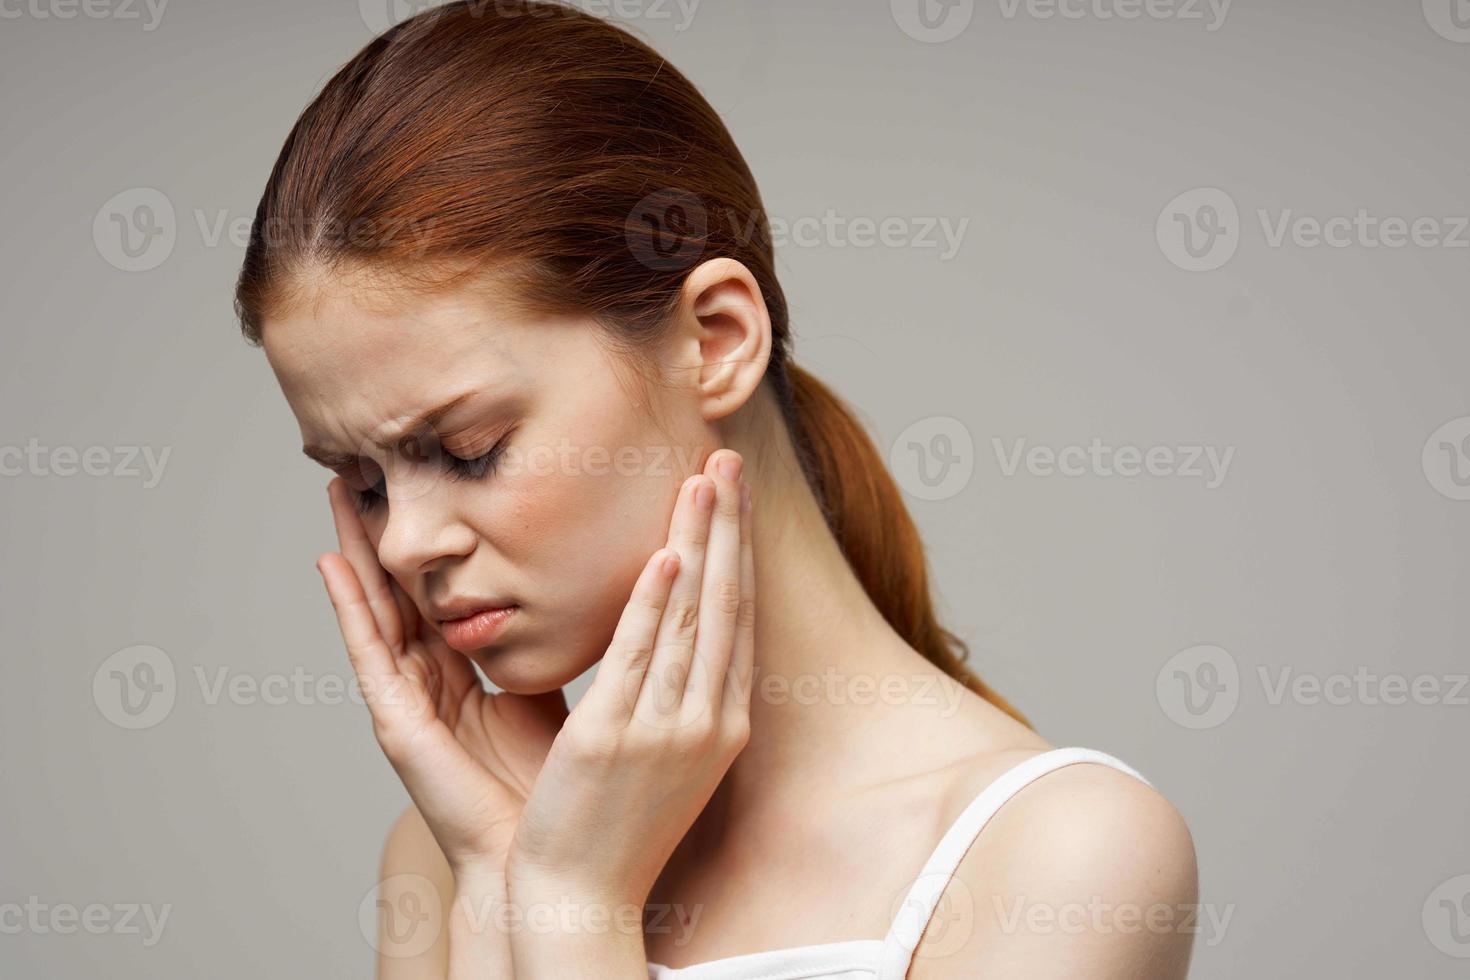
353	353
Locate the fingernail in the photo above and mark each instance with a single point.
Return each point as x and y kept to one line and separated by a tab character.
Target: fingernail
704	496
730	466
670	563
745	497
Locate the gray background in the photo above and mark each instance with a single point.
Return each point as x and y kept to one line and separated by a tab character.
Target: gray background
1329	831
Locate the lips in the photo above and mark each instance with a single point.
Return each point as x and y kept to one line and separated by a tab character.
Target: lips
467	627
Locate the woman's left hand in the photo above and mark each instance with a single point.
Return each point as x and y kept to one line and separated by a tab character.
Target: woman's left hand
643	751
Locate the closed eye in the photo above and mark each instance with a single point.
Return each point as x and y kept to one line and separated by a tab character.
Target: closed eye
476	467
459	467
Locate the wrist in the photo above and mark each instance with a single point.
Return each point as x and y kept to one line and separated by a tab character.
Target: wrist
478	876
565	926
572	898
535	880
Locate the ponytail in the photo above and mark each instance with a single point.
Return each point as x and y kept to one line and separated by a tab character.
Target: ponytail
866	513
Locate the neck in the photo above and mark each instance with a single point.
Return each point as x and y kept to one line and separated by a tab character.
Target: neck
829	670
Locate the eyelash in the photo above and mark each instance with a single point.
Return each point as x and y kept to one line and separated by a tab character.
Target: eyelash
460	469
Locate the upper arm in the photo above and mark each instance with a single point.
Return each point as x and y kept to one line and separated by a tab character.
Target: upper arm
416	888
1085	872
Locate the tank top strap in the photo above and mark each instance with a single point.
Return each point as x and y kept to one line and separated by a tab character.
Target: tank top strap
919	904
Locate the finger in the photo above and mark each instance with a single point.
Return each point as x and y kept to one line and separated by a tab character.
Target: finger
373	662
719	598
673	645
742	662
363	557
445	782
408	614
615	689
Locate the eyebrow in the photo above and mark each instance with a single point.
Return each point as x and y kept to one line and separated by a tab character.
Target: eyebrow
334	459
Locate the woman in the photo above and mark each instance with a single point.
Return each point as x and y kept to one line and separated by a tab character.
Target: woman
516	283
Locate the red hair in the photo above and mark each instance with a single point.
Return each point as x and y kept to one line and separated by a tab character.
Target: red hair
559	148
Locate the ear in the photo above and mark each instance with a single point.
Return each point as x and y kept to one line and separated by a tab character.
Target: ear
722	335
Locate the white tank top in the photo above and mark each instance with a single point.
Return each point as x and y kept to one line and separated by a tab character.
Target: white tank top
888	958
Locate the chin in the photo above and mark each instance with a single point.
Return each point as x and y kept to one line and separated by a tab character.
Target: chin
525	668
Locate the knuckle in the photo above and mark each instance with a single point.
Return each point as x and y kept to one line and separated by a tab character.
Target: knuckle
737	731
745	614
635	655
727	596
684	617
586	749
672	677
650	599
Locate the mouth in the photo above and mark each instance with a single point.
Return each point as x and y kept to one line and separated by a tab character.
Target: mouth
473	626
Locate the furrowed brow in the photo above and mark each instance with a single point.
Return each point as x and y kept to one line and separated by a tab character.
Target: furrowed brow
334	459
331	459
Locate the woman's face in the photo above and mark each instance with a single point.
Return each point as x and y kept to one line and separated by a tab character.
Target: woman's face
535	479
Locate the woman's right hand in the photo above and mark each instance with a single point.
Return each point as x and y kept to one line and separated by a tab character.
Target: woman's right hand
467	757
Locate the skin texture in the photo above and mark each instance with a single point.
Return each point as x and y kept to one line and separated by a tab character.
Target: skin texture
815	782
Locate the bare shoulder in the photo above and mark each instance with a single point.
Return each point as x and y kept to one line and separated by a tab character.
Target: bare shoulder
415	888
1085	871
411	848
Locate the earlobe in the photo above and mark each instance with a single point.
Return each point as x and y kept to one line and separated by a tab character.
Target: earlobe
728	314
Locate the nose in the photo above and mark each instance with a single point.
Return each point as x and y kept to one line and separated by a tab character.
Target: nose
423	531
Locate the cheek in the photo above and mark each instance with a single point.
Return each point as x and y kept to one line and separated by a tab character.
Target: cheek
581	539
